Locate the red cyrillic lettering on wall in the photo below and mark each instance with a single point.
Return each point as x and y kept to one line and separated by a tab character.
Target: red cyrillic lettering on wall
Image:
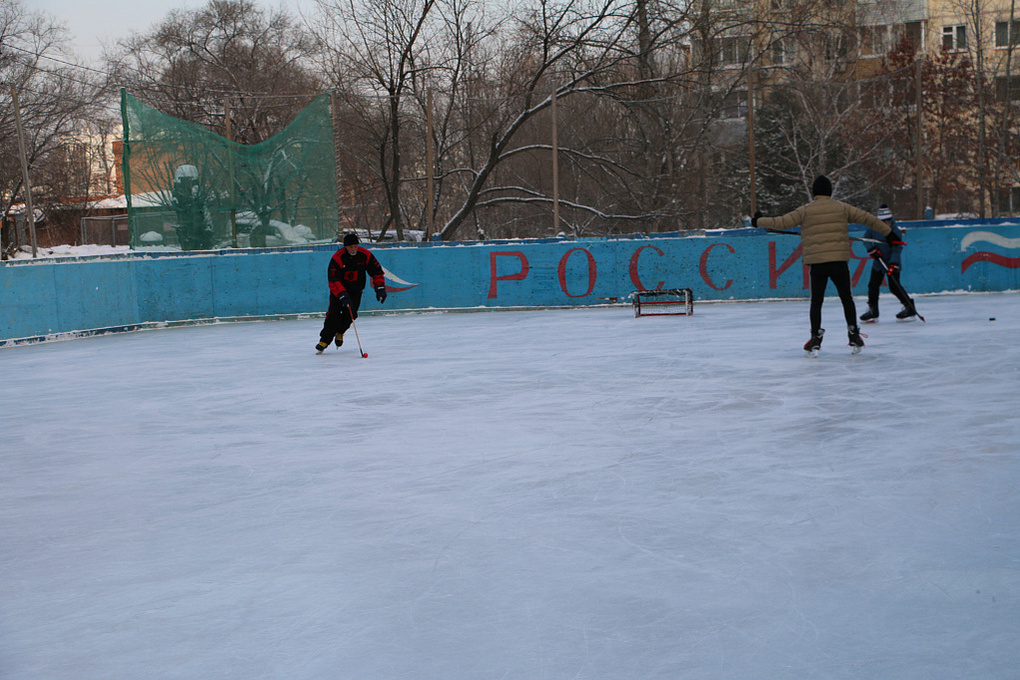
634	277
592	272
494	278
703	266
774	272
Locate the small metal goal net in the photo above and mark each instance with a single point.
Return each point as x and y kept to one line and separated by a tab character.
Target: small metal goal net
667	301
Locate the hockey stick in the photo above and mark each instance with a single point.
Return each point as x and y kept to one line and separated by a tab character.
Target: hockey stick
364	354
797	233
892	279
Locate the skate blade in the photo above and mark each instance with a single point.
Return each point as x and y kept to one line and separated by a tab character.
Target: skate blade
855	350
909	319
811	353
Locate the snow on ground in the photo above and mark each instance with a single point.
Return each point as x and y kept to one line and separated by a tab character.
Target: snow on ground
541	494
25	252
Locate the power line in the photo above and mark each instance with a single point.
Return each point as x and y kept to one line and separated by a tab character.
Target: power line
108	75
56	74
38	55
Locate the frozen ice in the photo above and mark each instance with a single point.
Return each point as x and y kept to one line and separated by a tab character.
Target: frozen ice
524	494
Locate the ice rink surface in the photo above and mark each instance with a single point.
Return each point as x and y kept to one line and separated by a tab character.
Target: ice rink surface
529	495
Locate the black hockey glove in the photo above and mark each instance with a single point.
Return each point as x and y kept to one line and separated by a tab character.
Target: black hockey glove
344	298
754	220
380	294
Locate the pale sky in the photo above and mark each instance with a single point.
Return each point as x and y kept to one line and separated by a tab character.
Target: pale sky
95	24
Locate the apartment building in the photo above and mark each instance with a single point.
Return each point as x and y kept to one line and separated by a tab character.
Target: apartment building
765	44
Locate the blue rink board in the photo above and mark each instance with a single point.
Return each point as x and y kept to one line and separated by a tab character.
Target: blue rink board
45	298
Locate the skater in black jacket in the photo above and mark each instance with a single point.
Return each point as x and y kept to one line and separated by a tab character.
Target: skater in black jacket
349	269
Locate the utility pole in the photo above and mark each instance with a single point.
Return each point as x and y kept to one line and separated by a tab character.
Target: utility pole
555	168
918	146
750	137
29	210
430	165
230	170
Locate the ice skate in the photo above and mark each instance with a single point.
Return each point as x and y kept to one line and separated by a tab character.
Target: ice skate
321	346
906	314
856	343
339	339
870	316
815	343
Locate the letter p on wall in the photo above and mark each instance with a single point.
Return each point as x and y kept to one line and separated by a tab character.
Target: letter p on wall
494	276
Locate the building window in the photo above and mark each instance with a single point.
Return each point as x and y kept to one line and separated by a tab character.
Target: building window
875	41
878	94
731	51
913	31
1009	200
1007	88
954	38
1006	36
778	52
734	105
836	48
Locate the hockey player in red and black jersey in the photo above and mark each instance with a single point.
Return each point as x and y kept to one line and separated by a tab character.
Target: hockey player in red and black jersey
349	269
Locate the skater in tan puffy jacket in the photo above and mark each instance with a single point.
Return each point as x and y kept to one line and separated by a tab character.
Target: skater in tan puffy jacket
825	238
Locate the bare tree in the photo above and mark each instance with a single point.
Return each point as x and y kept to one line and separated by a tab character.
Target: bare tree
57	97
229	54
620	77
561	50
375	53
949	159
995	71
810	122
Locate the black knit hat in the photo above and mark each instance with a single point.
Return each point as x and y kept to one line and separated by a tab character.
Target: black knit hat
821	186
351	239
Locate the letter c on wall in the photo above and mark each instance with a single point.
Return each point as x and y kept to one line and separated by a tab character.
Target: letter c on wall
703	266
634	277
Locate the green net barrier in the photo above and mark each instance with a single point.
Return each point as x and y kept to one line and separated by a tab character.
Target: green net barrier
192	189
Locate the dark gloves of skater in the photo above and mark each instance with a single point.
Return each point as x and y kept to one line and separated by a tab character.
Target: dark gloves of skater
754	219
875	253
344	298
380	294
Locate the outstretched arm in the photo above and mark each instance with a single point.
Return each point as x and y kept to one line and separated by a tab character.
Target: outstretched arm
858	216
788	221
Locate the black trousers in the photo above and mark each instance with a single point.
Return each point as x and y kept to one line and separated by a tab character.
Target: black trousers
875	285
839	274
338	317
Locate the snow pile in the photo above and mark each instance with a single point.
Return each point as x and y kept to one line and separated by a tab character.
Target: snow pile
25	252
